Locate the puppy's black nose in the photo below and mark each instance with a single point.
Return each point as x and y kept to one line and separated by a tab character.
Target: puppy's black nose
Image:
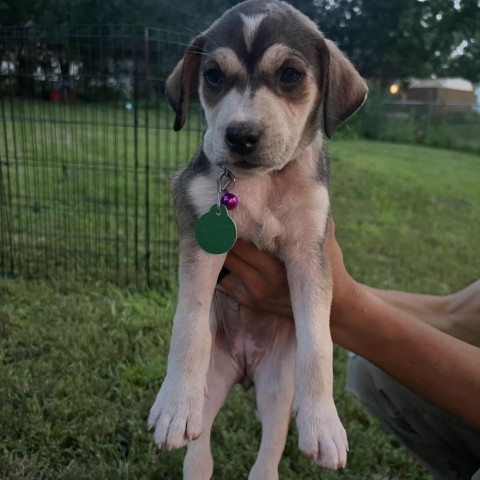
242	137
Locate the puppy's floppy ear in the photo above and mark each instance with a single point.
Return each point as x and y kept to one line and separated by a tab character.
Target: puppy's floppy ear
345	90
184	80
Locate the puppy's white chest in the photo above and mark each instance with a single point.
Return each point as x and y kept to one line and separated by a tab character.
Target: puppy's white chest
260	216
270	213
253	216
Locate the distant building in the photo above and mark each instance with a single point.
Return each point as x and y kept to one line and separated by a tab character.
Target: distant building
445	94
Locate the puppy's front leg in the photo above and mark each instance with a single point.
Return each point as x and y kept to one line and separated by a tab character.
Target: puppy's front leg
177	414
321	434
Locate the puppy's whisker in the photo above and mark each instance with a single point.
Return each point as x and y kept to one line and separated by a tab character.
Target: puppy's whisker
209	38
181	44
192	31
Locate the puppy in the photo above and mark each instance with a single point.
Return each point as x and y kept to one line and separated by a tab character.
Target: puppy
271	86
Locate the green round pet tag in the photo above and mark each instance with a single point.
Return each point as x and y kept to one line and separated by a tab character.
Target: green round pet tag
216	232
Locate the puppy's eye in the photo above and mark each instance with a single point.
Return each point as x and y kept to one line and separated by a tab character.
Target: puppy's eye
214	78
290	76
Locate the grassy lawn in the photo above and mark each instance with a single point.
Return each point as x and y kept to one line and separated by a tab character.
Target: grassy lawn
80	364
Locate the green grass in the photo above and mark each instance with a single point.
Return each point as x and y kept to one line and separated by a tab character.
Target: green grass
407	216
81	364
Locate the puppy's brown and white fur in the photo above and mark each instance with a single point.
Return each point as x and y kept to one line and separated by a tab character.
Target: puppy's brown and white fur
271	86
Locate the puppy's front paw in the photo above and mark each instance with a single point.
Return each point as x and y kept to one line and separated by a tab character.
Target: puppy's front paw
177	414
321	434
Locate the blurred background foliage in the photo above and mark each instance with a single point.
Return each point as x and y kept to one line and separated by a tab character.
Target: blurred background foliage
385	39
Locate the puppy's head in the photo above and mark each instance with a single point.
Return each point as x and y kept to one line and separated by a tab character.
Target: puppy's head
268	82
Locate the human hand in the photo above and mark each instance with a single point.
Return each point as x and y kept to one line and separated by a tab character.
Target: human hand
258	280
463	313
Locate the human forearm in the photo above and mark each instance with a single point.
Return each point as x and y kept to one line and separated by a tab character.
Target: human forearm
457	314
442	369
430	309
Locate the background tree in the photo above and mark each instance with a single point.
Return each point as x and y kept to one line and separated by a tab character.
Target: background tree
385	39
403	38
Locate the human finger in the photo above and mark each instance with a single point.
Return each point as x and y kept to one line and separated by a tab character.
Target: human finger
264	262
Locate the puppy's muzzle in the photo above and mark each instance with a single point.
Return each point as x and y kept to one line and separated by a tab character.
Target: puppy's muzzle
242	137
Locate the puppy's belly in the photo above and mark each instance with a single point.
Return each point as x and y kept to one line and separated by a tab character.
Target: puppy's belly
249	336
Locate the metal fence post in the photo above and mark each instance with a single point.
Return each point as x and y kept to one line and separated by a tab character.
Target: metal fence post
147	154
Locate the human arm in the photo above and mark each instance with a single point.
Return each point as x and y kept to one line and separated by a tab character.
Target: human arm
258	280
457	314
437	366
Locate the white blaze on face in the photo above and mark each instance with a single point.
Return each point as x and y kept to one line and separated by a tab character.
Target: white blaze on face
250	28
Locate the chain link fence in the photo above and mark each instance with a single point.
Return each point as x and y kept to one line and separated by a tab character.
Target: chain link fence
87	152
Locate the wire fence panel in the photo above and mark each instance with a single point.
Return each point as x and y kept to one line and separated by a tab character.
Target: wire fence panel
437	124
87	152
